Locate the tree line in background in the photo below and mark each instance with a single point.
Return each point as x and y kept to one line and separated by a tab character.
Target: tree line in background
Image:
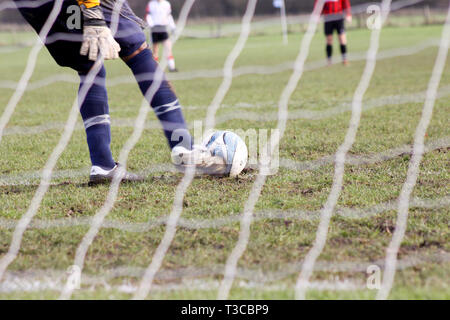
220	8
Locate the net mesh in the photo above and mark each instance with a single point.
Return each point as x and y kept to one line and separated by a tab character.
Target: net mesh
140	281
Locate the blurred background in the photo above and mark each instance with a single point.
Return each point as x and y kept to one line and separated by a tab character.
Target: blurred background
221	18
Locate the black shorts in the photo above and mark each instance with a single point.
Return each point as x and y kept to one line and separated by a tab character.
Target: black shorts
337	25
158	37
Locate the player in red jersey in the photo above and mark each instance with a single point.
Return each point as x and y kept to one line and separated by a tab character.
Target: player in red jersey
335	12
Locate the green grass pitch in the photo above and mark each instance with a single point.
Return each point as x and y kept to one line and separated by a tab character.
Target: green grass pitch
194	263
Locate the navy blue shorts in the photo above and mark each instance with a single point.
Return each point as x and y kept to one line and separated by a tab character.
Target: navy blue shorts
67	53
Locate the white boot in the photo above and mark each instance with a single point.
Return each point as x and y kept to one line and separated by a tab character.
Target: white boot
201	158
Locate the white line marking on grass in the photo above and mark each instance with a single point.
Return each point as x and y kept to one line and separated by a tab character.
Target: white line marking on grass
29	69
147	280
244	235
327	211
99	217
413	170
34	280
14	284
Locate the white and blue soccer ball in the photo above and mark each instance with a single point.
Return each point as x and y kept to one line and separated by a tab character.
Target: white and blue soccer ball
231	148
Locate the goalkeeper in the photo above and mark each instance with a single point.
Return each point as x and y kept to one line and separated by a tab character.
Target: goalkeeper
94	41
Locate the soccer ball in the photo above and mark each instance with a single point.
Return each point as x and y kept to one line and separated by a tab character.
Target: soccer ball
231	148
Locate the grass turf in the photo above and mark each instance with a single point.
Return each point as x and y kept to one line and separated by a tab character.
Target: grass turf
275	243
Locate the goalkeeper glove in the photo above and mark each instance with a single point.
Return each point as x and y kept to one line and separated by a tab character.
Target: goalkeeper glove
97	37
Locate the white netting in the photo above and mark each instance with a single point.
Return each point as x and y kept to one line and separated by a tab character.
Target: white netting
54	280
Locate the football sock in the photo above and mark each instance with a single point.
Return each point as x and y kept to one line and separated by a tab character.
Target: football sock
164	102
344	51
329	51
171	63
95	113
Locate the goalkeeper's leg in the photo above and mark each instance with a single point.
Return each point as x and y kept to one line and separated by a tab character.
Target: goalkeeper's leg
136	54
95	113
164	101
168	111
94	108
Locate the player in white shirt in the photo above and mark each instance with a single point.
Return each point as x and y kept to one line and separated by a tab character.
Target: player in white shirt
159	18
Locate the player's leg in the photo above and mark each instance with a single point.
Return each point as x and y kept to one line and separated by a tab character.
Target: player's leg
328	28
95	105
164	102
159	35
94	108
343	41
139	58
155	51
329	49
168	110
169	55
95	113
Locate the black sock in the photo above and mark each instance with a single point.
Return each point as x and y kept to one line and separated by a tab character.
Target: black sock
329	51
344	51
